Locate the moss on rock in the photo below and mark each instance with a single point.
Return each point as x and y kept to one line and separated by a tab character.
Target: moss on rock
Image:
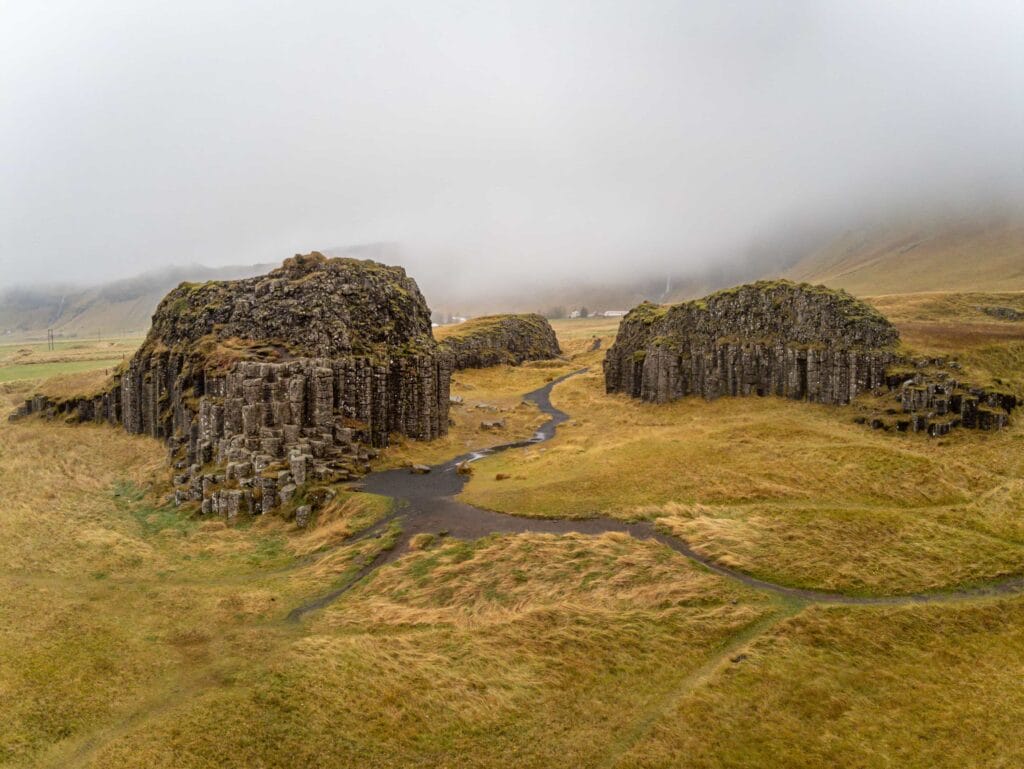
493	340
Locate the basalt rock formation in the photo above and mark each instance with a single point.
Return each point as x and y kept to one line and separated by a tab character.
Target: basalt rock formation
929	395
766	338
493	340
260	385
1003	313
797	341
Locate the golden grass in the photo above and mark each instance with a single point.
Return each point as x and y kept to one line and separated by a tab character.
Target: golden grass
113	603
68	350
951	324
883	550
502	388
526	650
583	330
84	383
948	306
77	362
135	635
923	686
924	256
792	492
488	395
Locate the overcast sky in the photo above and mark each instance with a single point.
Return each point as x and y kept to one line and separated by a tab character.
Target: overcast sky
491	139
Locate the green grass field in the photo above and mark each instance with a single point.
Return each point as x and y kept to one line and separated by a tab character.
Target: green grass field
35	362
38	371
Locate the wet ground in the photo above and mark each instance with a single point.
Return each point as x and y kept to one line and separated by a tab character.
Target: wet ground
426	504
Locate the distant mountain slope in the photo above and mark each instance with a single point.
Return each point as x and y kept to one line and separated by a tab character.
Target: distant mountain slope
126	306
123	306
980	256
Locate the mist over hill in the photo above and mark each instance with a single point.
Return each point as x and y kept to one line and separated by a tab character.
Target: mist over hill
118	307
969	253
956	254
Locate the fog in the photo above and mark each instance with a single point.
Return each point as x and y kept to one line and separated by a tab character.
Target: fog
497	143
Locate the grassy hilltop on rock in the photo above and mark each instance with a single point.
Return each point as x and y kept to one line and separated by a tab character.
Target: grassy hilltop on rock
493	340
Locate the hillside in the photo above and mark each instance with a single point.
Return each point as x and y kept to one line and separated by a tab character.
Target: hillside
971	255
125	306
120	307
963	256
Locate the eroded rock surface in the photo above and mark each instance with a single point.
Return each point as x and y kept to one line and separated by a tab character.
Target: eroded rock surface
494	340
797	341
1003	313
766	338
930	395
261	386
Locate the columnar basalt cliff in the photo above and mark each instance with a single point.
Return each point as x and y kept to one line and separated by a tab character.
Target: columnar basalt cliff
767	338
493	340
259	385
797	341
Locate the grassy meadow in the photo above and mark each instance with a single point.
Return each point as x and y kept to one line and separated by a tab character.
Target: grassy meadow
136	634
71	363
791	492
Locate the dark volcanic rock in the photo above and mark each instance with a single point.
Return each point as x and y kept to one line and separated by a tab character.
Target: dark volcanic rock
933	399
798	341
766	338
494	340
311	307
277	379
1003	313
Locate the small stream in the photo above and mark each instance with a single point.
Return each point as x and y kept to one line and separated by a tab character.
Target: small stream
427	504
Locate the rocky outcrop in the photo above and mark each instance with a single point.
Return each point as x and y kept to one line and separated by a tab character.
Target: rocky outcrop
767	338
1003	313
494	340
261	385
929	395
797	341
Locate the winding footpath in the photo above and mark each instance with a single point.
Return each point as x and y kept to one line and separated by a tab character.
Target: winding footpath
426	504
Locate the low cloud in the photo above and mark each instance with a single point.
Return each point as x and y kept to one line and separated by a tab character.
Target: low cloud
498	143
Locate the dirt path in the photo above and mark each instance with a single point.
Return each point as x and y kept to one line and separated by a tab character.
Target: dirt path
727	653
428	505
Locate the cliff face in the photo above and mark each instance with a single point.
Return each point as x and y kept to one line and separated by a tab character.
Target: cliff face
365	322
494	340
766	338
798	341
278	379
